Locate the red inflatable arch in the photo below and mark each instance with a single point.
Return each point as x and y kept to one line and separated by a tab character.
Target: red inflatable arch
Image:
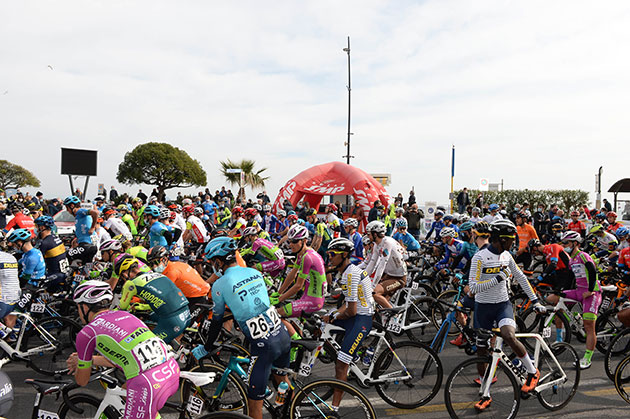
334	178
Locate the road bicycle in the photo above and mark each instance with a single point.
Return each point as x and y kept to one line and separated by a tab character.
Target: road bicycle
503	378
618	349
622	379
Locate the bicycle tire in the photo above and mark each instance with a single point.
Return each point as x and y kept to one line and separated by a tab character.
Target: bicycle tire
419	311
461	392
421	362
540	325
609	326
622	379
235	386
617	350
299	405
53	361
570	362
224	415
79	399
449	297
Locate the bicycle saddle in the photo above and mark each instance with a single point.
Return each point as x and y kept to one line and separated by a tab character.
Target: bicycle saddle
609	288
308	344
48	386
199	379
393	310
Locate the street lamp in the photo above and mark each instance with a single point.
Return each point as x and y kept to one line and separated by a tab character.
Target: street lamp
347	143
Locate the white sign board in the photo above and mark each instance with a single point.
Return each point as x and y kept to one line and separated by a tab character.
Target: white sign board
483	184
233	170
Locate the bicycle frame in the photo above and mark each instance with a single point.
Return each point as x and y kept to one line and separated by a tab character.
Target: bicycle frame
16	353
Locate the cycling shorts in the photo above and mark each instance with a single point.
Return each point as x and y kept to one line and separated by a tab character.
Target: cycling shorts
305	304
357	328
148	392
488	316
391	284
273	267
169	327
194	301
267	352
590	305
5	309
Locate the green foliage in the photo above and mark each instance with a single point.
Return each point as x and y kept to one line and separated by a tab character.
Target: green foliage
162	165
567	199
253	178
13	176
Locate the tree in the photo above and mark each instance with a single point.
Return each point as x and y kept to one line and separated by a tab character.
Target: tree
162	165
251	177
13	176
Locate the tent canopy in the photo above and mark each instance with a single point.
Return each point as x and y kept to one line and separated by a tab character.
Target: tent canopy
334	178
622	185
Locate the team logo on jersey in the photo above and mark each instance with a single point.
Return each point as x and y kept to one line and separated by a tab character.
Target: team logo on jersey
495	270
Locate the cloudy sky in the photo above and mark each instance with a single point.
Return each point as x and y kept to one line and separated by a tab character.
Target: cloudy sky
532	92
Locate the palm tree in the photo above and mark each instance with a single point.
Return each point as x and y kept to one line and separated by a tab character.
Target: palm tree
251	176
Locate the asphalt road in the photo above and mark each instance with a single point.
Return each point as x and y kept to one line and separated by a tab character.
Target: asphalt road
596	396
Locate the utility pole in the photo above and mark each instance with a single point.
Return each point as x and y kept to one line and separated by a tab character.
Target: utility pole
347	144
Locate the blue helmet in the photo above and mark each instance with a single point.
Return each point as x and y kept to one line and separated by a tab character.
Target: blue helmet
72	200
19	234
152	210
45	221
466	226
493	207
622	231
222	247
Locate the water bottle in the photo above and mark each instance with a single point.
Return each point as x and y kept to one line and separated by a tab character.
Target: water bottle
367	358
517	363
4	331
281	396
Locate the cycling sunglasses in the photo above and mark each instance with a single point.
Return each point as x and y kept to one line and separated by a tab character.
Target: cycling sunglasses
295	241
332	253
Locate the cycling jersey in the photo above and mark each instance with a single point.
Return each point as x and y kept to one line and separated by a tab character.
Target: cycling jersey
9	281
160	293
613	227
32	265
437	226
21	221
607	242
197	228
83	224
156	235
410	243
357	287
271	224
186	278
485	267
269	257
386	258
357	253
585	272
555	255
322	230
525	233
54	255
464	257
131	224
577	226
492	218
118	227
138	252
223	216
139	213
239	225
623	262
102	236
311	268
450	250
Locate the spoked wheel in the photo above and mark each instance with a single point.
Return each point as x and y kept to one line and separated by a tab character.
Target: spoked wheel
618	349
558	395
307	402
55	338
622	379
607	327
87	404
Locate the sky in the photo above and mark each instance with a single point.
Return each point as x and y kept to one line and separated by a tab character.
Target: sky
533	93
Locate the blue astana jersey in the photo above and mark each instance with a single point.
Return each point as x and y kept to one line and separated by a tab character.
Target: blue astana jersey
82	225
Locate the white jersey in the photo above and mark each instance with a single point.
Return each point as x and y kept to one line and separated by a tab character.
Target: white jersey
622	245
198	229
474	220
386	258
102	236
118	227
490	218
604	241
484	269
357	287
180	222
9	281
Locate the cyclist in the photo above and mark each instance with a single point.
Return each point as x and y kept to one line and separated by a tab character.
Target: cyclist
244	292
557	272
32	265
490	268
101	234
85	223
126	343
270	222
577	225
588	291
494	214
452	248
283	222
436	225
162	297
187	279
126	218
332	221
356	315
159	234
53	249
114	225
475	218
195	229
525	232
623	234
407	241
10	290
223	214
351	225
611	216
117	267
239	223
606	242
267	256
322	235
19	220
385	266
137	212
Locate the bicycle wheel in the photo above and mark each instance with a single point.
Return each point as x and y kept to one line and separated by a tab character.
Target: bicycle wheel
413	376
619	347
622	379
552	331
422	311
307	402
224	415
56	339
232	399
87	403
461	392
559	395
607	326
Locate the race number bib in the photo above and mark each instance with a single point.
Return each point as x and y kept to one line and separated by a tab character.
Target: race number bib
37	308
394	324
150	353
259	327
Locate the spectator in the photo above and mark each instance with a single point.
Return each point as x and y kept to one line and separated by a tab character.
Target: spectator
373	214
39	198
412	197
4	211
222	192
479	200
265	198
462	201
113	194
287	206
358	213
142	196
541	218
54	207
414	220
607	205
339	210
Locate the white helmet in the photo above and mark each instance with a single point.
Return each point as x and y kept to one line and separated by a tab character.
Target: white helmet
463	218
92	292
282	213
198	211
250	231
448	232
267	207
257	207
351	222
377	227
165	213
297	232
571	236
111	245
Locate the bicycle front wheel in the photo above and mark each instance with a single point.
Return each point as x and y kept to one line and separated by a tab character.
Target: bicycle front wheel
308	402
232	398
619	347
462	392
86	403
55	337
559	395
410	376
622	379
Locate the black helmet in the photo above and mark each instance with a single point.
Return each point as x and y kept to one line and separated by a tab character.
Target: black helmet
533	243
482	228
156	253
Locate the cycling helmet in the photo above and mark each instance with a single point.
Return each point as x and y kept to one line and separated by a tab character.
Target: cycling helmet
21	234
92	292
482	228
600	215
292	217
121	238
448	217
441	208
257	207
341	244
172	206
219	232
571	236
25	211
99	198
575	213
122	207
165	213
557	226
267	208
291	212
463	218
605	224
124	262
237	210
45	221
399	209
533	243
466	226
282	213
332	207
72	200
297	232
377	227
173	215
476	209
152	211
439	212
251	212
596	228
188	210
250	231
401	223
311	212
112	244
109	211
622	231
156	253
612	214
448	232
503	228
366	240
186	201
198	211
221	247
136	199
351	222
16	206
493	207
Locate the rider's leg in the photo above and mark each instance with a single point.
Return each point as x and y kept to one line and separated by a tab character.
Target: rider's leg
379	297
560	332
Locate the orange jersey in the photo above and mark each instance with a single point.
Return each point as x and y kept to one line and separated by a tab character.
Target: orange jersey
186	279
525	233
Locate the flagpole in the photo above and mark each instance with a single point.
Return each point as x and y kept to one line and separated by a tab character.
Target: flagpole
452	176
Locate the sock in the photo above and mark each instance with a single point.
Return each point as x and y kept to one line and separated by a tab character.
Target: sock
587	355
528	364
559	335
296	336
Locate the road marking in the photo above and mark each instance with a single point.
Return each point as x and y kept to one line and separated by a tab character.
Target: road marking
602	392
